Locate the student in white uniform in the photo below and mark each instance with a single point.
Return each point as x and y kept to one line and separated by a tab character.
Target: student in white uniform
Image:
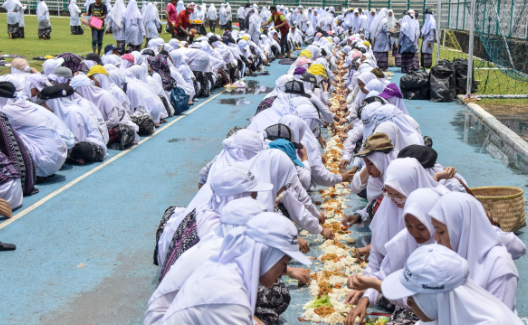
89	145
75	23
224	289
116	21
40	136
437	285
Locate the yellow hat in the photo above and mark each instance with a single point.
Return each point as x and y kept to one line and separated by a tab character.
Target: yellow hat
366	43
317	70
306	54
245	38
49	57
96	69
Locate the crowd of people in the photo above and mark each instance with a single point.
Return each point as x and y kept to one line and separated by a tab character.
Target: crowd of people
436	254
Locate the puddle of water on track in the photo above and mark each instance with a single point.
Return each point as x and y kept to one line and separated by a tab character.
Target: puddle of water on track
253	88
234	101
196	141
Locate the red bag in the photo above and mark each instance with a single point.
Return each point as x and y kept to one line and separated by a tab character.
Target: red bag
96	22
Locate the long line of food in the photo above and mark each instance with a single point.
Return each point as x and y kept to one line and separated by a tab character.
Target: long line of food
336	258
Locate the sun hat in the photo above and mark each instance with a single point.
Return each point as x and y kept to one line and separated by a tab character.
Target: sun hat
232	180
378	142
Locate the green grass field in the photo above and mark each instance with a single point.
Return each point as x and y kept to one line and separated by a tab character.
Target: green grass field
61	40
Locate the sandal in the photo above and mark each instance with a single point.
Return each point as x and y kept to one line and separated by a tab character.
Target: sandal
4	247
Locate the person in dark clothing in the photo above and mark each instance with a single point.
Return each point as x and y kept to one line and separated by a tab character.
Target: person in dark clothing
97	9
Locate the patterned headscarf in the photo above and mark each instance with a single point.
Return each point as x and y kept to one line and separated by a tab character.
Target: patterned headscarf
160	65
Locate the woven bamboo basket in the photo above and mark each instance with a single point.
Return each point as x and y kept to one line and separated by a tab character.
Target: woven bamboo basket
505	203
392	60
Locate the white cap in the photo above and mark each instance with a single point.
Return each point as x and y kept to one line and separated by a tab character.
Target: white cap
239	211
275	230
232	180
430	269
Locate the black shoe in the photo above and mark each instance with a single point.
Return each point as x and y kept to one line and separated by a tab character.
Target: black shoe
7	247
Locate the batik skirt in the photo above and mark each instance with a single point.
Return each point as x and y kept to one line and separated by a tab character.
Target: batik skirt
15	31
44	32
426	60
383	60
265	104
76	30
407	62
133	48
185	237
145	123
272	302
121	136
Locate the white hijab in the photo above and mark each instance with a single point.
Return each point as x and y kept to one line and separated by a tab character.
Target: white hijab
132	12
240	147
418	204
409	28
391	20
392	113
466	304
237	213
473	237
73	8
405	176
232	276
271	166
211	13
429	25
379	20
42	9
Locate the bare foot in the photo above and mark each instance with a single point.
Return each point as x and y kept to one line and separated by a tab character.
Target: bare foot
163	121
10	36
191	103
80	161
44	37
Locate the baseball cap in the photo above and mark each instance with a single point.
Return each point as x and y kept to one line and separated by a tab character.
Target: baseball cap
190	8
231	180
295	87
275	230
64	72
288	148
378	142
308	77
430	269
281	131
52	92
111	47
93	57
8	90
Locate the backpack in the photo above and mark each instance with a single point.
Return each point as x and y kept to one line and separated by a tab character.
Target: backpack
179	101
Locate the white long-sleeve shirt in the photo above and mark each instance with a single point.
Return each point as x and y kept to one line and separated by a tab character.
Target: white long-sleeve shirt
218	314
354	135
305	174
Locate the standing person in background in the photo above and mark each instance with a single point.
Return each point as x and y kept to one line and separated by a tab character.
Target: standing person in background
172	16
408	42
108	11
134	29
182	24
211	16
151	22
380	32
75	23
97	9
116	22
180	7
229	17
428	36
222	17
241	15
281	24
253	23
199	14
43	17
15	11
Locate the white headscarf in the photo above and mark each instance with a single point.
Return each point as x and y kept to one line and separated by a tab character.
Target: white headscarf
418	204
409	28
42	8
429	25
178	60
466	304
179	7
211	13
150	14
375	85
392	113
391	20
118	13
379	20
237	213
271	166
232	276
473	237
240	147
73	8
405	176
132	12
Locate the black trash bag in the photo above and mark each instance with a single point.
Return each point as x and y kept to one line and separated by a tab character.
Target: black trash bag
415	85
442	82
461	70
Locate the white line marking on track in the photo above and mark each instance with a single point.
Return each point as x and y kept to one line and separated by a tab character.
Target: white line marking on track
109	161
